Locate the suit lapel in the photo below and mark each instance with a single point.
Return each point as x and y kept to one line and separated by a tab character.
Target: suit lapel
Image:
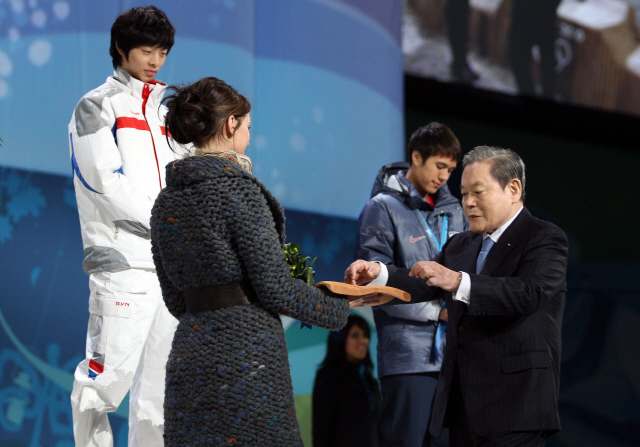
505	244
471	254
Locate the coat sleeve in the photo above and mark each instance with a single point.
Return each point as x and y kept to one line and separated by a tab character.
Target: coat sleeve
376	241
97	164
262	253
416	287
540	275
324	405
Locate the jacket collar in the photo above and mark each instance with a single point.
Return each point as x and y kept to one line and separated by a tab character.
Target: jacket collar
135	86
398	186
505	244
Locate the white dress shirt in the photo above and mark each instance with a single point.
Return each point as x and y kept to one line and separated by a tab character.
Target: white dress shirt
464	290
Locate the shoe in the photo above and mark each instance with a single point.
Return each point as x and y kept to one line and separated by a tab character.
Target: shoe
464	74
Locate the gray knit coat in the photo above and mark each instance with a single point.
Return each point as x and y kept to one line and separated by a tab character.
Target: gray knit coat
228	380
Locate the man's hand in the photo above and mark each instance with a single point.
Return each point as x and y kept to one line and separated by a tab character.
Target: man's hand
361	272
436	275
444	315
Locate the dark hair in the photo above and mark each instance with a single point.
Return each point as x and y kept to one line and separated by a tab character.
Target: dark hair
434	139
140	27
336	341
506	165
336	358
197	112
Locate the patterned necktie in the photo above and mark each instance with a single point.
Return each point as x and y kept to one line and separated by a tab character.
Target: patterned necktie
482	256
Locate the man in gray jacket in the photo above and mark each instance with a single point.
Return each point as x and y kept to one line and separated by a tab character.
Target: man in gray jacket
409	218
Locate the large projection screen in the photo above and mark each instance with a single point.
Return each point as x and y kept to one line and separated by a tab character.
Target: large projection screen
584	53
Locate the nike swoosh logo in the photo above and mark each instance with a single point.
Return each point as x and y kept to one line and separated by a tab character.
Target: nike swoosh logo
416	239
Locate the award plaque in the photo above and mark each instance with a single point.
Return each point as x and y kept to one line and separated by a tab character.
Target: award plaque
365	295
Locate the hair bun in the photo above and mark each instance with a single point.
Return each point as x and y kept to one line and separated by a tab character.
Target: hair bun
197	112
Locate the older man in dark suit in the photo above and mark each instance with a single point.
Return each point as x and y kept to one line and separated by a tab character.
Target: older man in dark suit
504	282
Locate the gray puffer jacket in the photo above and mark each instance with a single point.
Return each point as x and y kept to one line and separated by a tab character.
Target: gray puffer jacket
390	231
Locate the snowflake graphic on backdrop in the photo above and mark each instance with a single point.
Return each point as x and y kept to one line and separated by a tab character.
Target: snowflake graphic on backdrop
17	16
18	199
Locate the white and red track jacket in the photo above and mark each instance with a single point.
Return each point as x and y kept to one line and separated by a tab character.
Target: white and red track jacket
118	153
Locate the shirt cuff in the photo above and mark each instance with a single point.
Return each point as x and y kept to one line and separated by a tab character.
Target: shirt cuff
464	290
382	278
432	310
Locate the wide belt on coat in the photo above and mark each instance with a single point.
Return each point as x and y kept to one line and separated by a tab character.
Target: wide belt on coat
216	297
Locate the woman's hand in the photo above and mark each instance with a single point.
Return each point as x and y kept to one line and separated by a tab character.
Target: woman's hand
371	299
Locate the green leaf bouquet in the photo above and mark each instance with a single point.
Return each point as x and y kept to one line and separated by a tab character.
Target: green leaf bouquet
298	264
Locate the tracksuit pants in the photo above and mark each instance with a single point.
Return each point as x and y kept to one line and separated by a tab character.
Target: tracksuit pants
128	342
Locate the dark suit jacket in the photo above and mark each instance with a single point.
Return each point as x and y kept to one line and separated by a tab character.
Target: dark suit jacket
506	342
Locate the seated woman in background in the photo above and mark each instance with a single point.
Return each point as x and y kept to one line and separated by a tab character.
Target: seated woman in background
346	396
217	240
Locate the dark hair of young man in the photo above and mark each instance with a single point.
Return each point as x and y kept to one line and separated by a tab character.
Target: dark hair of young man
435	139
139	27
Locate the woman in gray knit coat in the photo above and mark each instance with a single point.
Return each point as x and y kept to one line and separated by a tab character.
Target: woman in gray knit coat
217	239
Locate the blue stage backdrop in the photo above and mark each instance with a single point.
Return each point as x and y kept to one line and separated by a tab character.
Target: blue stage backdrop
325	81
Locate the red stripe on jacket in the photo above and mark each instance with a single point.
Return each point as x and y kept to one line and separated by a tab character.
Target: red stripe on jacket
135	123
125	122
97	367
145	97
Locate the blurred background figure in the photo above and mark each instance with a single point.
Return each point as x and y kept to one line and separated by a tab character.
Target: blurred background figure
346	396
457	15
533	24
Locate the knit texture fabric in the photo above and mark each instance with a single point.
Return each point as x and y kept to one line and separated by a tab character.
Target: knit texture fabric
228	380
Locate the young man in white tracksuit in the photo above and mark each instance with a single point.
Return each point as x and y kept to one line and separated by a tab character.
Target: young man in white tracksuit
118	153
